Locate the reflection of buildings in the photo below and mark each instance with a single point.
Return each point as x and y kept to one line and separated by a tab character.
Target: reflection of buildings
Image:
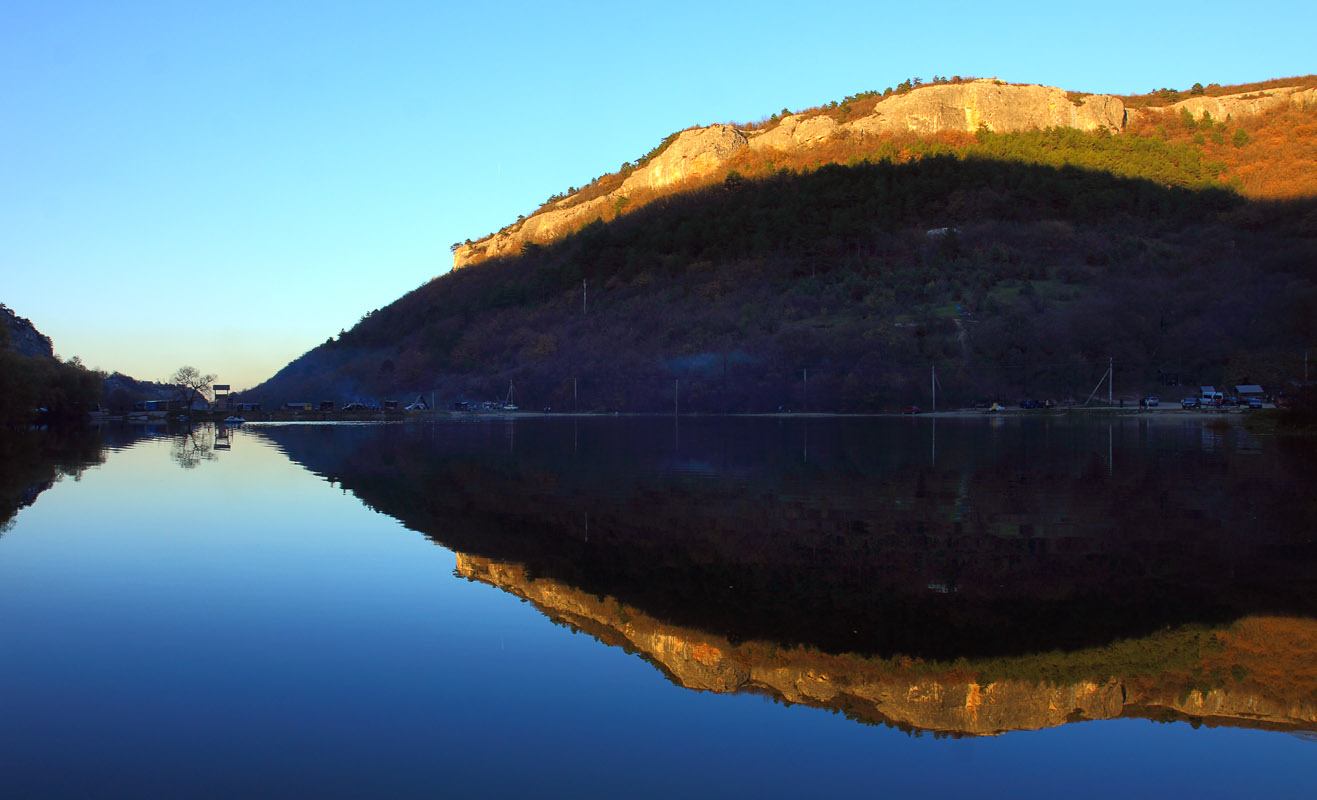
1260	672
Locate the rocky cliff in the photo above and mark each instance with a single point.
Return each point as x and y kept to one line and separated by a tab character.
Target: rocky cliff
698	153
692	155
999	107
952	700
24	338
1243	105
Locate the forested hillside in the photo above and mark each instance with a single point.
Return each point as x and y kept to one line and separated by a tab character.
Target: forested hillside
1015	264
35	386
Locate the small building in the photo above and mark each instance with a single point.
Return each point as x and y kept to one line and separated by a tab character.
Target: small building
298	406
1246	390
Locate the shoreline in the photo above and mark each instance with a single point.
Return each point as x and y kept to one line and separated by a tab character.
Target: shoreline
959	413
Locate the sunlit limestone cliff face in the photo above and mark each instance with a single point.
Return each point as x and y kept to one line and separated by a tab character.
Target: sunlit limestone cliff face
692	155
1246	104
952	699
998	107
697	154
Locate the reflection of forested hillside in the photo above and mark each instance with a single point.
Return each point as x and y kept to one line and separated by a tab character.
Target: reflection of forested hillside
1260	671
874	536
32	460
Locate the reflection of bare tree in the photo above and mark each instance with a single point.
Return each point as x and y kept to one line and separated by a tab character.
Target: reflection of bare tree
193	446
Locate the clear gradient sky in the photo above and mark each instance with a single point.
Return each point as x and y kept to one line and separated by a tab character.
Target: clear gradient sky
227	184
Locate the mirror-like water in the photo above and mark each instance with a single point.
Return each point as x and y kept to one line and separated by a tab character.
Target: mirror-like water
1117	606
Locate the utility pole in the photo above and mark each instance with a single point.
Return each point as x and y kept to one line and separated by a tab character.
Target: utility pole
574	395
805	399
934	382
676	384
582	295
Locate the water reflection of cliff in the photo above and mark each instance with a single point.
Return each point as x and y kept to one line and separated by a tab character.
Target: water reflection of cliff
31	461
1004	540
1258	672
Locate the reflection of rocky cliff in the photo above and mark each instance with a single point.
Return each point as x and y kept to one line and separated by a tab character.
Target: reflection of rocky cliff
1015	539
1260	672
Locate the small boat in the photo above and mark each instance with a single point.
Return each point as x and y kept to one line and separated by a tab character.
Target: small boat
233	420
508	405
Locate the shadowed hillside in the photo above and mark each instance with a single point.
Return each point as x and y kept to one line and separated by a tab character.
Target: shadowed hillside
35	385
1012	277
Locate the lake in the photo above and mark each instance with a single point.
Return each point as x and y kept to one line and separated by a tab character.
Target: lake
608	606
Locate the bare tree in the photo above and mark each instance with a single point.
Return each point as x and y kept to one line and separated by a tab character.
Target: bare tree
192	384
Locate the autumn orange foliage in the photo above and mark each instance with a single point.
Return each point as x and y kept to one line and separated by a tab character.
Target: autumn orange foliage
1277	159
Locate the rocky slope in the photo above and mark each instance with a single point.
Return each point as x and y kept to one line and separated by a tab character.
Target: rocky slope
24	338
699	153
1245	104
952	701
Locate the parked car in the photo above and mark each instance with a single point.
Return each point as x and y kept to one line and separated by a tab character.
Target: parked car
1190	402
1028	404
911	410
1254	402
1150	402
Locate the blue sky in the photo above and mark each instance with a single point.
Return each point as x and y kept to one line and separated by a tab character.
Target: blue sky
227	184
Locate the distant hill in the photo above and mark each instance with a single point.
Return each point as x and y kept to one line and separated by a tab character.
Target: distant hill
837	271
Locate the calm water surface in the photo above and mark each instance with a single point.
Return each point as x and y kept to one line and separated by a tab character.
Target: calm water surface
639	607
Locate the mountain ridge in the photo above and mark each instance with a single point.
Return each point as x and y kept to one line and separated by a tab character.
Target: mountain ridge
964	107
1017	263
